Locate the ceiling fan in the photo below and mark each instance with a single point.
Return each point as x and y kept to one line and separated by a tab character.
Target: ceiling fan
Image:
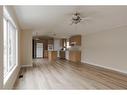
77	18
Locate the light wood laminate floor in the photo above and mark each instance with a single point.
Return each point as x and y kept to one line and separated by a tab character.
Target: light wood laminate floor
68	75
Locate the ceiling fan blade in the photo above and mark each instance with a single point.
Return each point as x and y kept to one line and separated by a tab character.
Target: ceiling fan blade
85	18
71	23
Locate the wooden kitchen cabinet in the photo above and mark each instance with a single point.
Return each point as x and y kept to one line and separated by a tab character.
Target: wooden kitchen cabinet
52	55
75	56
45	53
75	40
50	41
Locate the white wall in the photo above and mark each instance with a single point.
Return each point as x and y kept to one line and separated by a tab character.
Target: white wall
107	49
12	78
26	48
1	48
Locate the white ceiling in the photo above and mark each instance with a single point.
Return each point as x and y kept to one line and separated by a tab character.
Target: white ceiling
47	20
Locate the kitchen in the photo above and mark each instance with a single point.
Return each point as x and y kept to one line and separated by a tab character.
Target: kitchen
59	48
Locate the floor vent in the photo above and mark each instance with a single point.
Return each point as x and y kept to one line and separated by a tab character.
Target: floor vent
21	76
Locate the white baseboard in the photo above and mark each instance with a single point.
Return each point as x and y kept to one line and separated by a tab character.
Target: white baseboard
110	68
27	65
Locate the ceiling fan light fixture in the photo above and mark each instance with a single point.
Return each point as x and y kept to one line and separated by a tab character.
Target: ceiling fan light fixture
76	18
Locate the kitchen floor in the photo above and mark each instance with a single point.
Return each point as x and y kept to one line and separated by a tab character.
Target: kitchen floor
63	74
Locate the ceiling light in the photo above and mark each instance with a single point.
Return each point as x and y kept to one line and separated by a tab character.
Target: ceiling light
76	18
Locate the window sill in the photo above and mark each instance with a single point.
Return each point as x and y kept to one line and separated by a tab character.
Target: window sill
6	78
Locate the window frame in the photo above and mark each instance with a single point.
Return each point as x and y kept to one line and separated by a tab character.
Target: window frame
9	21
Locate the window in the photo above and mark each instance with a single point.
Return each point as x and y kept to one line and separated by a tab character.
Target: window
10	43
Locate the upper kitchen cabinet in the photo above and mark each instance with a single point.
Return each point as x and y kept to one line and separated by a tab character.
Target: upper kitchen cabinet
75	40
50	41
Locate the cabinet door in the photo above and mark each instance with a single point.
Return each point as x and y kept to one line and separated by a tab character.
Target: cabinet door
75	39
78	40
75	56
45	53
50	41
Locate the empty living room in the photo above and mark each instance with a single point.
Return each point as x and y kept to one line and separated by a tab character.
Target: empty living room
65	47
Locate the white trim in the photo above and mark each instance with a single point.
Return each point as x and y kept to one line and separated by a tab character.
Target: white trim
10	80
27	65
8	17
110	68
8	75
